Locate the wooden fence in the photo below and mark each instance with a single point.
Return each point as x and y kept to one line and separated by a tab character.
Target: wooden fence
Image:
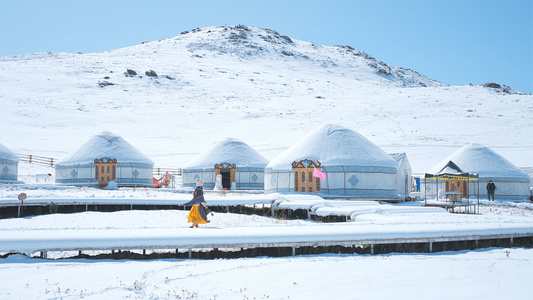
48	161
34	159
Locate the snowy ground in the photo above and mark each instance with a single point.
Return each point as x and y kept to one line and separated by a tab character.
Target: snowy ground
481	274
486	273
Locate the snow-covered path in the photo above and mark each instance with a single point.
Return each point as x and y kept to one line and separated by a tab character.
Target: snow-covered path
403	227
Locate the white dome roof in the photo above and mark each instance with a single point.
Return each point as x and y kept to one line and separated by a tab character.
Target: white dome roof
105	144
230	150
334	145
477	159
8	154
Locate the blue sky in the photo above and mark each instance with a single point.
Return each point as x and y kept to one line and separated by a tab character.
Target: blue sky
456	42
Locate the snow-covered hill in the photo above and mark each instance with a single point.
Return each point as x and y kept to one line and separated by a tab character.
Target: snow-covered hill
175	97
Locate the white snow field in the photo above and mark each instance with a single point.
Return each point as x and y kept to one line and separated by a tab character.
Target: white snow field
267	90
493	273
483	274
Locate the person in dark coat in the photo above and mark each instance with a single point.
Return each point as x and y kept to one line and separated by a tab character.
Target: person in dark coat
491	187
199	210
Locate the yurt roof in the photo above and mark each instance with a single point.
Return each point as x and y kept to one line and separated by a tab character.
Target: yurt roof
451	168
105	144
477	159
229	150
8	154
400	158
334	145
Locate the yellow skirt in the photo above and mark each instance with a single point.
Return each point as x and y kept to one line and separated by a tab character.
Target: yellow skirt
194	216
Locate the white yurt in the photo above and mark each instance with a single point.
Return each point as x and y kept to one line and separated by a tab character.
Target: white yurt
353	166
104	158
511	182
9	164
404	181
239	166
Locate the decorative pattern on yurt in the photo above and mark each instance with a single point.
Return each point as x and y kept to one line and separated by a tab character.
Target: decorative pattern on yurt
236	164
353	166
9	163
511	182
117	161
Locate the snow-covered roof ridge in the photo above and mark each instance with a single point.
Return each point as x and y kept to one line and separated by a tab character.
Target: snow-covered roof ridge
334	145
475	158
229	150
105	144
7	153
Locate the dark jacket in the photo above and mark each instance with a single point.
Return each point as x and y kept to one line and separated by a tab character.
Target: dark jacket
197	197
491	187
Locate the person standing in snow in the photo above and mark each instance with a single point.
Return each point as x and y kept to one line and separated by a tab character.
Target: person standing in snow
491	187
199	210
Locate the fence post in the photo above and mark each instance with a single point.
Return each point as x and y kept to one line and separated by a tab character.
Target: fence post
30	158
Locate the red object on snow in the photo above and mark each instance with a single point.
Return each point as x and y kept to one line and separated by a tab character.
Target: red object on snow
161	181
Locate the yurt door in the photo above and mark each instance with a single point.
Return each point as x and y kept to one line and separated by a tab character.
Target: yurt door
226	178
304	181
105	170
227	172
